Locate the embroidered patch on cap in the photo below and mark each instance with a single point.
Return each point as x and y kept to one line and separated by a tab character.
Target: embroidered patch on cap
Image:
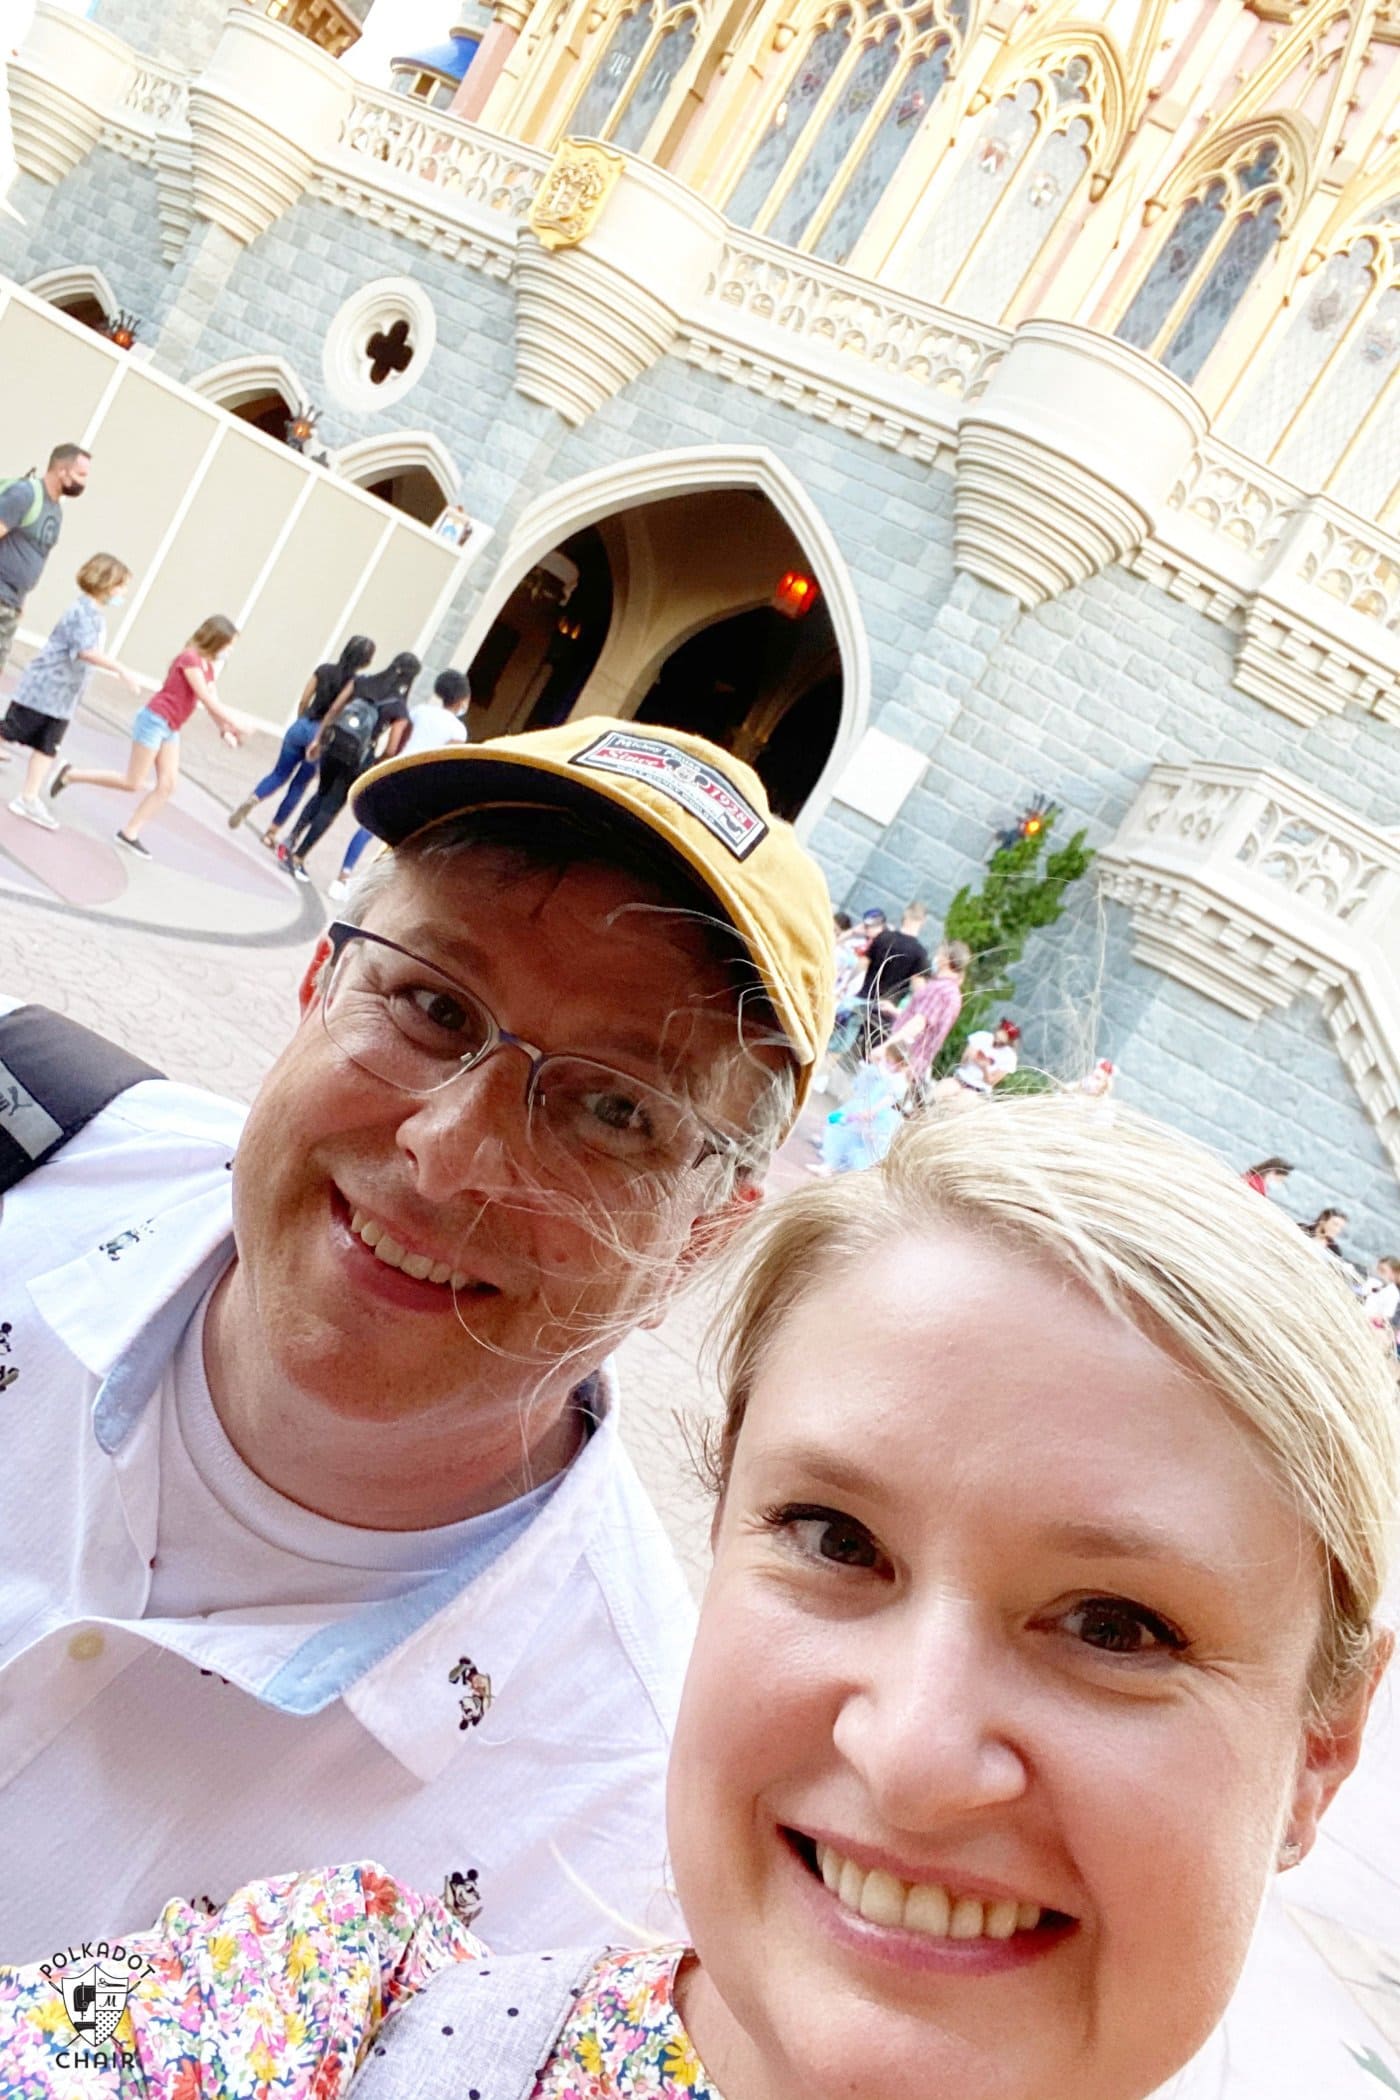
699	788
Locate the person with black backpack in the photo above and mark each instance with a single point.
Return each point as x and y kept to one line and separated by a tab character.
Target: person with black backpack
370	720
292	769
30	522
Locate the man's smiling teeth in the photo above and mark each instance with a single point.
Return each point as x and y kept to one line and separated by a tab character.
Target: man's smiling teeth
387	1249
923	1906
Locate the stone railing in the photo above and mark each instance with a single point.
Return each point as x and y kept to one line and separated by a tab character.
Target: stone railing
826	307
455	159
1255	889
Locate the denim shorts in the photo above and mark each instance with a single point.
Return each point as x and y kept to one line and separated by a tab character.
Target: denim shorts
150	729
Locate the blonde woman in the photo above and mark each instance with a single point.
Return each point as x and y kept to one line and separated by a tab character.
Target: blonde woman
1042	1632
155	731
55	678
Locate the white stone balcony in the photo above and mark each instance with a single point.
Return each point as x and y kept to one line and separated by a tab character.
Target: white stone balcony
1255	890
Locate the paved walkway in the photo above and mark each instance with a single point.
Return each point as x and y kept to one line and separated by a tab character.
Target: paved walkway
193	961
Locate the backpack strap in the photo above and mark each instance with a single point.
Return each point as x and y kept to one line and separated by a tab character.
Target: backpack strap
36	498
485	2027
55	1076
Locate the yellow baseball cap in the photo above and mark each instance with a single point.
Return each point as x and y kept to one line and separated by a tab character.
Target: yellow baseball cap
708	808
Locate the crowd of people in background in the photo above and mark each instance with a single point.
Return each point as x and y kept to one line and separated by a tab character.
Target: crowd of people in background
897	1006
347	719
1377	1286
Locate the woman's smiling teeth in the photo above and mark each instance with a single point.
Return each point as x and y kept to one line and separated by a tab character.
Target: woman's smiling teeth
922	1906
387	1249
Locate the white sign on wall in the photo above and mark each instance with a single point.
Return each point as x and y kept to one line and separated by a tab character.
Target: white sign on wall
879	776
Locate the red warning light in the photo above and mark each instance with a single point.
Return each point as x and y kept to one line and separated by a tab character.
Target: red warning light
796	594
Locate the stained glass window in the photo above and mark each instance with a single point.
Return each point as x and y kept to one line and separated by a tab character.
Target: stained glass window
1210	258
789	121
1002	141
1304	337
879	163
1229	278
1366	462
1042	195
867	78
1200	220
614	70
655	84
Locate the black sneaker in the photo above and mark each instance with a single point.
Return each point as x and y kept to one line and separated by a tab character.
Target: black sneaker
59	782
134	846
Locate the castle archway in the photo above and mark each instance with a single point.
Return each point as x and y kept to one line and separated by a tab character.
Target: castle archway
701	587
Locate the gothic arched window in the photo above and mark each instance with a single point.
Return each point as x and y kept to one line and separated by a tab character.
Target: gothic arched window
1211	255
1318	403
1030	156
847	113
641	62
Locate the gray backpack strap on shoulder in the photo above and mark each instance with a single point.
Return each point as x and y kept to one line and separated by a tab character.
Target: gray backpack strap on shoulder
481	2030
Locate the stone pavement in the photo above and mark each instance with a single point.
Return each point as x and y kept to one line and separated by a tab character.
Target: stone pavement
193	961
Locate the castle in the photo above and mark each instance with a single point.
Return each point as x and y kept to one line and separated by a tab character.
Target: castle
940	402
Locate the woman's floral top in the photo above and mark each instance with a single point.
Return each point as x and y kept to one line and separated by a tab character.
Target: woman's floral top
279	1993
625	2037
279	1996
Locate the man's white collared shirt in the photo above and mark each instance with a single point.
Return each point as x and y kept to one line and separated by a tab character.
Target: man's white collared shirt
506	1722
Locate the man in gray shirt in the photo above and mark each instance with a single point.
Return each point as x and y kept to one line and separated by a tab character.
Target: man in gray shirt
30	522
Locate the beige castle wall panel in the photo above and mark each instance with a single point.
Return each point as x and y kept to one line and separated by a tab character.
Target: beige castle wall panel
286	627
148	446
403	587
237	510
51	381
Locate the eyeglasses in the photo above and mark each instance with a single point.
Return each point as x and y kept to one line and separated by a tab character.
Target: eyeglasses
407	1023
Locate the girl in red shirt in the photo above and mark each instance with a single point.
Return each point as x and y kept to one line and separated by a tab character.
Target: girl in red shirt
155	730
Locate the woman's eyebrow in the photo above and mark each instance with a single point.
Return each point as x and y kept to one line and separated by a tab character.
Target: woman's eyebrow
1129	1540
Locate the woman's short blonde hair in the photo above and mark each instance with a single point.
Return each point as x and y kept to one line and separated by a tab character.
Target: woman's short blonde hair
1168	1238
101	574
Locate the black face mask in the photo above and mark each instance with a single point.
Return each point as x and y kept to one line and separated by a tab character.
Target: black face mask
73	488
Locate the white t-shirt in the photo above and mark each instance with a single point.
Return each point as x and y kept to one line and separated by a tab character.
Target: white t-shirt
432	728
227	1541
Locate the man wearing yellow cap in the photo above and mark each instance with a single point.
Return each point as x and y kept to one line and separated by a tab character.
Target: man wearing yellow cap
317	1538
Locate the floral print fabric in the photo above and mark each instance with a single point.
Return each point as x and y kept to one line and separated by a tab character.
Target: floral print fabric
279	1993
625	2038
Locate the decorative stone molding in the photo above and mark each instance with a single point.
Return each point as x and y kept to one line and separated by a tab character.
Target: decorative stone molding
1066	459
375	458
67	76
1323	629
1254	889
379	344
452	158
242	379
593	316
62	288
267	105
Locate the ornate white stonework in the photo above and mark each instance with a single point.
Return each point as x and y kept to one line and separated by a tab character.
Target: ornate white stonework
1067	458
1254	889
597	313
63	84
